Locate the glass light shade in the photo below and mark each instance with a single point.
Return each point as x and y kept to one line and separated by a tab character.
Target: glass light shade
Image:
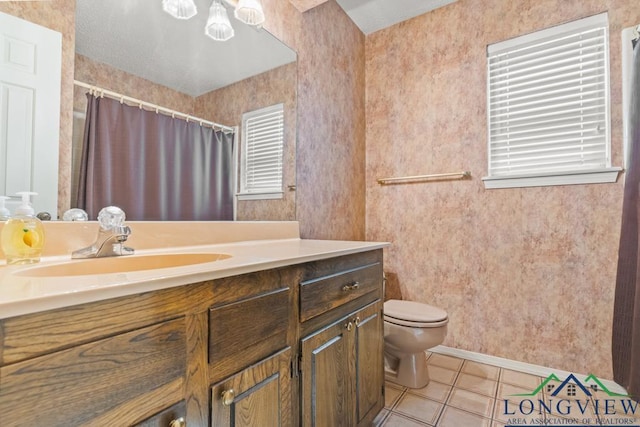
250	12
181	9
218	25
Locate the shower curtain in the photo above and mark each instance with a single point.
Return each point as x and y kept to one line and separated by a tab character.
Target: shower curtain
153	166
626	317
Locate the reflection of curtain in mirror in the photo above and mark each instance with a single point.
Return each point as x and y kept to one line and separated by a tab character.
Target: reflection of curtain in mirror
153	166
626	316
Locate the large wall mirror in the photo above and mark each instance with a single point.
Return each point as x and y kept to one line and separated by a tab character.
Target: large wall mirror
138	50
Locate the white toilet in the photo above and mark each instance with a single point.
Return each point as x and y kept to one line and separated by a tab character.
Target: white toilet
410	328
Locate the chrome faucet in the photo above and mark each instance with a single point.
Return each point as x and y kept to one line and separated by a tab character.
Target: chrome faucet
111	236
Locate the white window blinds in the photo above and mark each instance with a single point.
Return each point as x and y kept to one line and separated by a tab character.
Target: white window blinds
548	102
262	153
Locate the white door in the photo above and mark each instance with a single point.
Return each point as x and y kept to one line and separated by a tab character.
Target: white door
30	73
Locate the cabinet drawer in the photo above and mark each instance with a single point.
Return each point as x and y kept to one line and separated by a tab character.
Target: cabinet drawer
325	293
246	331
91	384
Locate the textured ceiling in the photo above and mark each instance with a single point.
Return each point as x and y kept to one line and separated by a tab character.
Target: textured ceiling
141	39
373	15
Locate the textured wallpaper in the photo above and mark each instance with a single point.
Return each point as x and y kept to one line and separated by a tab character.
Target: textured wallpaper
331	126
526	274
330	144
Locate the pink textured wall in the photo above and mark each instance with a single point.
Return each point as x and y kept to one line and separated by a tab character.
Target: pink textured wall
331	126
527	274
330	169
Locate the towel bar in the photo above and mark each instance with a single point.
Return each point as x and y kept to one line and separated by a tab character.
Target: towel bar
421	178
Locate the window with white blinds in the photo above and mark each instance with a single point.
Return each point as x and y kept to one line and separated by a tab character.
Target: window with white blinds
262	153
548	107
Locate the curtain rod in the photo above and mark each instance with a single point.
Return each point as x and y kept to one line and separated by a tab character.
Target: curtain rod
157	108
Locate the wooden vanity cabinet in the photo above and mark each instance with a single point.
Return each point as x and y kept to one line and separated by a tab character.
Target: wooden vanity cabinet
115	362
341	352
298	345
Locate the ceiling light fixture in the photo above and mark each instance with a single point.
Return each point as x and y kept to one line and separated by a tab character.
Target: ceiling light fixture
181	9
248	11
218	25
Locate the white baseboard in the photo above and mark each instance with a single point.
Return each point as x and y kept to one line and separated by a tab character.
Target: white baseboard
528	368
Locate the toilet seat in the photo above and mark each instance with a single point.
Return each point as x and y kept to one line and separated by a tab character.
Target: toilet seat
414	314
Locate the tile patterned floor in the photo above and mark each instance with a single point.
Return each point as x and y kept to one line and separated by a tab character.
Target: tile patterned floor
464	393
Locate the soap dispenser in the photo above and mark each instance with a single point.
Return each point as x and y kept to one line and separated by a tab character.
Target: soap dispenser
5	214
23	234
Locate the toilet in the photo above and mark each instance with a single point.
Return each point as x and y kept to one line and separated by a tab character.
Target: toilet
410	328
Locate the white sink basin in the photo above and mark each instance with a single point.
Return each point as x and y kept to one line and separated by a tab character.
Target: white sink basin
123	264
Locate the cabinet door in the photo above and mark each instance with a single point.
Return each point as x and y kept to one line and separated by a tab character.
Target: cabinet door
326	371
260	395
369	368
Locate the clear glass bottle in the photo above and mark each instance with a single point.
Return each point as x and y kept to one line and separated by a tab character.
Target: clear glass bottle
22	236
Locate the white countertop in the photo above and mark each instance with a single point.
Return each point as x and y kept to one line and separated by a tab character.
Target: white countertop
23	295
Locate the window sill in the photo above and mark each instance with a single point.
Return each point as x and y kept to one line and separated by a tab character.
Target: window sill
598	176
260	196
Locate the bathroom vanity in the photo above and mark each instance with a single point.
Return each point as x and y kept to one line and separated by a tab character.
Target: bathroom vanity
282	332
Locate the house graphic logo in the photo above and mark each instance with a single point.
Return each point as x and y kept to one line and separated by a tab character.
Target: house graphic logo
571	402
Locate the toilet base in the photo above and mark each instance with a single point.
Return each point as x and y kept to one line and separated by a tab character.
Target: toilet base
409	370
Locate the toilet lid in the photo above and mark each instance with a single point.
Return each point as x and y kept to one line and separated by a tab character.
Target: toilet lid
412	311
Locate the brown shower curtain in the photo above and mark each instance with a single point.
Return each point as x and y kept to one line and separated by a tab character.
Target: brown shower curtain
153	166
626	317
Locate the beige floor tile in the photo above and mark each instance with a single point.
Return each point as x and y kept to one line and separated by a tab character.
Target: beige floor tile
481	370
453	417
391	396
377	421
442	375
471	402
520	379
424	410
395	420
477	384
507	391
434	391
444	361
393	385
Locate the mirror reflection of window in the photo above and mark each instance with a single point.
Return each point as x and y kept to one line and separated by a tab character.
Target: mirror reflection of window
261	171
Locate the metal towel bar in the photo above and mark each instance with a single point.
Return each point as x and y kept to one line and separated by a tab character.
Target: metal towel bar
421	178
